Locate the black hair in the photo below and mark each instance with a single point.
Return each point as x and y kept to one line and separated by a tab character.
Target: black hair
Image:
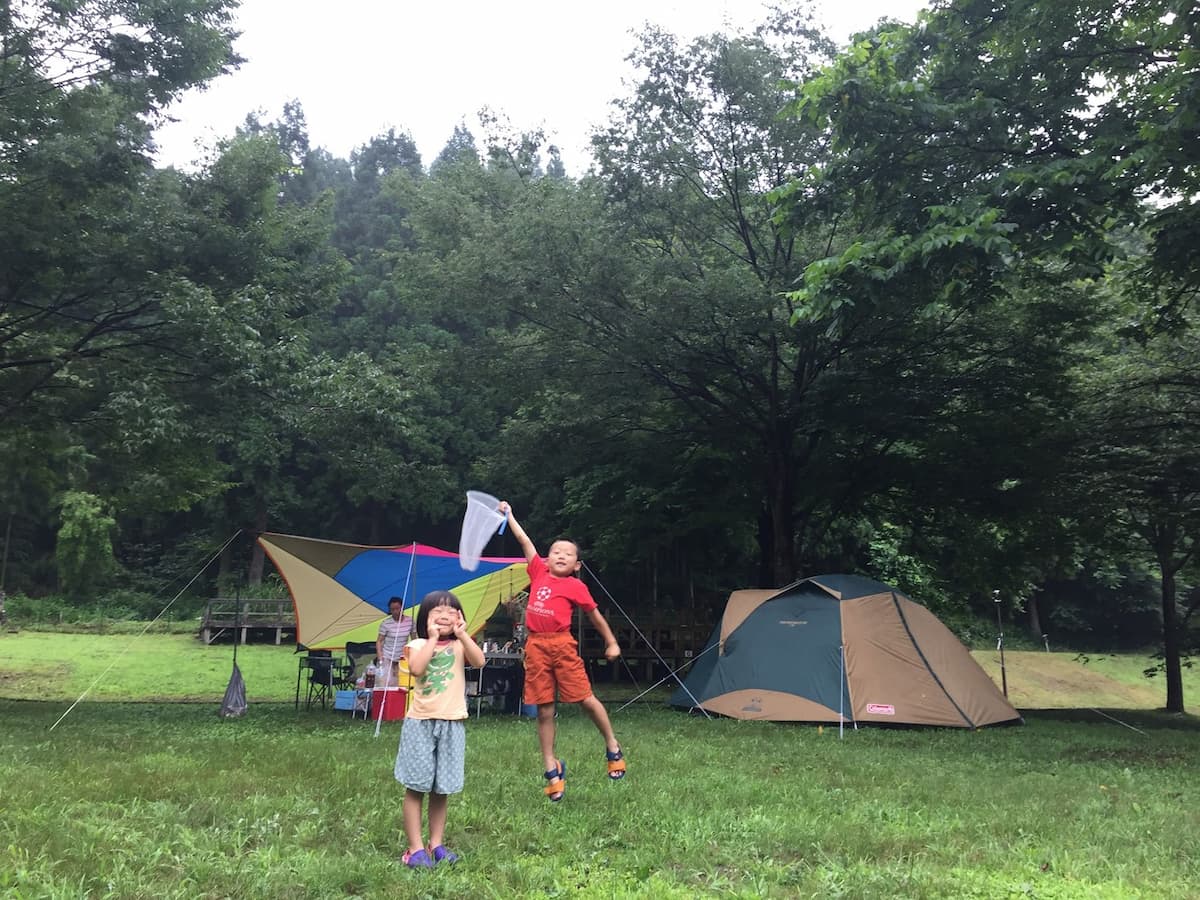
399	600
432	601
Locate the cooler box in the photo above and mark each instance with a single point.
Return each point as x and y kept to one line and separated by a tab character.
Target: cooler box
397	701
344	700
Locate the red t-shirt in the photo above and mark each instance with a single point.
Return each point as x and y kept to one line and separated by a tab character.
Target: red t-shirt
552	600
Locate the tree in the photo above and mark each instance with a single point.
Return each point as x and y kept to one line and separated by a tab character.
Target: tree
84	551
460	148
1142	460
996	150
80	85
837	411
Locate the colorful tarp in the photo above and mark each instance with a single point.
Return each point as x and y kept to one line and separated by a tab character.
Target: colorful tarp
341	591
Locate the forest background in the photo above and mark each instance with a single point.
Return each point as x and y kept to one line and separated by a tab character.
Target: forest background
923	307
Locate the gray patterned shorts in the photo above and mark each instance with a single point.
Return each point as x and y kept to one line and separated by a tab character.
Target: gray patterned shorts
432	755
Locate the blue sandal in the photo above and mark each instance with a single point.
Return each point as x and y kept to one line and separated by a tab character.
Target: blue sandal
557	778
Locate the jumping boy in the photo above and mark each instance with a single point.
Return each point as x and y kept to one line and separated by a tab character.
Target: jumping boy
552	662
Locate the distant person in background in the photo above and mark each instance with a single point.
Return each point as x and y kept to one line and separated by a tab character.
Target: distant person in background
389	646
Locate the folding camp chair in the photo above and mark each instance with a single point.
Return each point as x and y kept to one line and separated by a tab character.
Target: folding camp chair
325	676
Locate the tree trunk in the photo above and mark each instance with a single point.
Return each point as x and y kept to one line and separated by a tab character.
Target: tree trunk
4	562
1171	648
374	523
654	580
766	548
256	557
224	565
1035	619
781	509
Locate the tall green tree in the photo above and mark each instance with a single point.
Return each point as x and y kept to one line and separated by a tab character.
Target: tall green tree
1141	462
1001	150
80	87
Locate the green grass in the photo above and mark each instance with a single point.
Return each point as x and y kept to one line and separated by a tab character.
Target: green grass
168	800
1039	680
50	666
165	799
156	666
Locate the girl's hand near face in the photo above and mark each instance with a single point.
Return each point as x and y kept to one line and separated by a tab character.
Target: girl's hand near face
460	627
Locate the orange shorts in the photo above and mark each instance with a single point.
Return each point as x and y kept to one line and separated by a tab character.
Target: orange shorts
552	663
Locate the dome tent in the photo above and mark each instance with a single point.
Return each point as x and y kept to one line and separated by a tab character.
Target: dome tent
840	648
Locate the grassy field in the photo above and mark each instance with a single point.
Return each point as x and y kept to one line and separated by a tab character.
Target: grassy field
165	799
55	666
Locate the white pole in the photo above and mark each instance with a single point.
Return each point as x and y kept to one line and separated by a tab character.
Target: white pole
407	592
841	689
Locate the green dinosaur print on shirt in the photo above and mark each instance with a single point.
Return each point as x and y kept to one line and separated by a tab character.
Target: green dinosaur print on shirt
438	674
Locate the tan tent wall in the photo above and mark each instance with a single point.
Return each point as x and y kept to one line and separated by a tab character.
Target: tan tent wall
966	682
773	706
884	669
738	609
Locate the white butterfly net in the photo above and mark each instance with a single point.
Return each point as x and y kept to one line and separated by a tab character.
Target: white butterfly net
482	519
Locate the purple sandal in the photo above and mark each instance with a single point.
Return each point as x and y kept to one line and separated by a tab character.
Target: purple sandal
417	859
442	855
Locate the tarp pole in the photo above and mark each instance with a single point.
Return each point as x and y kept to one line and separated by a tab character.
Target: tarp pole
237	618
412	561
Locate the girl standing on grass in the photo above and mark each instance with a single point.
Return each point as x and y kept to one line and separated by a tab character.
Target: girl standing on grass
433	738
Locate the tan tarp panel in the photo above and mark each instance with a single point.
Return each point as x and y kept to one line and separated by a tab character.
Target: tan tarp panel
890	679
345	609
324	556
739	607
773	706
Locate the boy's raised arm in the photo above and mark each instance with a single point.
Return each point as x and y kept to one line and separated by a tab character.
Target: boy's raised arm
518	532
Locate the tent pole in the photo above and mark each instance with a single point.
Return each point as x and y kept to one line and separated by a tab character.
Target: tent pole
841	690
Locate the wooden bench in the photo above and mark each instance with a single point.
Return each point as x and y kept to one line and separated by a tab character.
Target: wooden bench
248	617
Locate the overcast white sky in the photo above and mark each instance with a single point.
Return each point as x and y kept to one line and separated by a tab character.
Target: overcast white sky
360	67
